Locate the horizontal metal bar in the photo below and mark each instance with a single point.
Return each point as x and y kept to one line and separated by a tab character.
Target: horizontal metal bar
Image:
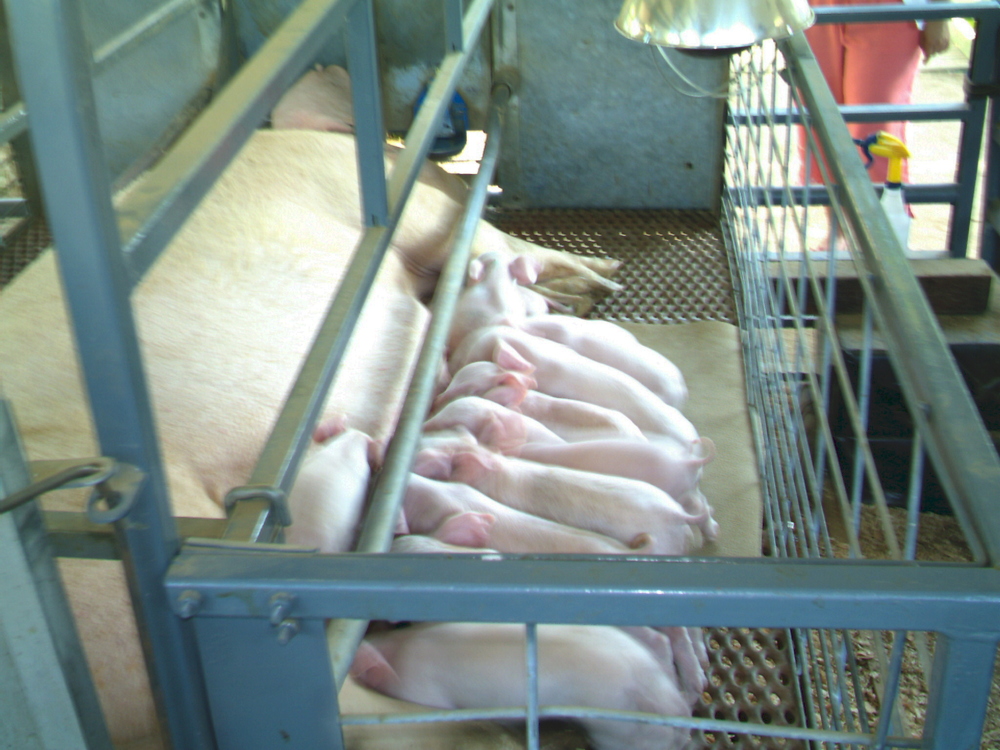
13	208
579	712
72	534
140	31
950	112
149	217
13	122
932	11
758	592
818	195
936	396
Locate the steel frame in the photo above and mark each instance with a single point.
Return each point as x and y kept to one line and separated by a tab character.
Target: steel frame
219	617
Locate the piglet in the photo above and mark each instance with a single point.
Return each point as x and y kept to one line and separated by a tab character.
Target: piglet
674	468
493	424
465	665
615	506
329	493
612	345
560	371
493	293
430	504
477	378
570	419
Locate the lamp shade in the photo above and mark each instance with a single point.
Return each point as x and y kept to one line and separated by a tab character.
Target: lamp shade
712	24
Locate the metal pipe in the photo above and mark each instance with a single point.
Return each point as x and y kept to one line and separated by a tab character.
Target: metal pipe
140	31
377	530
13	122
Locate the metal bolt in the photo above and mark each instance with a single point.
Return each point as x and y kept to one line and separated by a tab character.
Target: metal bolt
281	605
188	602
287	629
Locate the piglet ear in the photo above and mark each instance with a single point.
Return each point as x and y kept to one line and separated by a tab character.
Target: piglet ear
329	428
505	432
372	670
525	270
466	529
470	466
507	357
433	464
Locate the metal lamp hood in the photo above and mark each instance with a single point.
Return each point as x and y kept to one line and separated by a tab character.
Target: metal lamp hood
712	24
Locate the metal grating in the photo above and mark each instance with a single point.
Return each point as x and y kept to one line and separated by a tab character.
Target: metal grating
24	244
675	268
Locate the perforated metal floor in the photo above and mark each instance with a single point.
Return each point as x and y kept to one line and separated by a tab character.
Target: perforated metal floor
20	247
675	268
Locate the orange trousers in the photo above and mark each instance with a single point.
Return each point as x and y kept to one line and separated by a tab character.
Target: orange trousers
867	63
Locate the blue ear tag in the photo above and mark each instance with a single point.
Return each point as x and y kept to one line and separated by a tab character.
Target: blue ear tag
451	135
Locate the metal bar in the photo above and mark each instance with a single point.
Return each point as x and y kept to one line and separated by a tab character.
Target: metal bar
13	208
380	522
959	692
49	700
453	36
757	592
577	712
931	11
377	530
13	122
369	132
148	218
957	111
980	73
53	61
804	195
531	663
151	24
72	534
957	443
268	690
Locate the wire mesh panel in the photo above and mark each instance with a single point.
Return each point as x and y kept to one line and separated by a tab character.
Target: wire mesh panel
830	491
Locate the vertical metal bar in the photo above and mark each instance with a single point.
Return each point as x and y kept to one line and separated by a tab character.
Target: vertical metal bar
915	491
531	658
959	691
989	246
47	699
981	72
454	41
864	402
53	61
369	132
20	142
268	689
890	690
